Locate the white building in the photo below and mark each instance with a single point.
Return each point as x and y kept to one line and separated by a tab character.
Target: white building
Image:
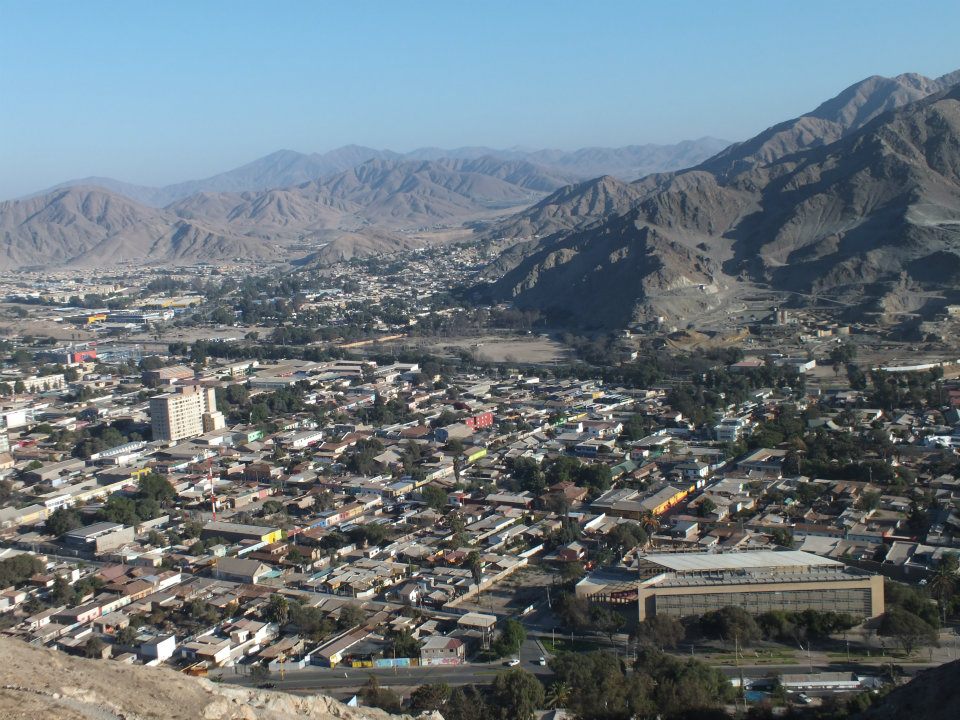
185	413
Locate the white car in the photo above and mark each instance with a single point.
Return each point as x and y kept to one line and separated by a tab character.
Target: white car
512	662
542	660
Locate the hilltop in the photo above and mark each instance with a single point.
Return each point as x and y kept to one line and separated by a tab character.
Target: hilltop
71	688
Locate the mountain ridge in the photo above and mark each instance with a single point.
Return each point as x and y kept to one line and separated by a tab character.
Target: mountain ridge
285	168
857	217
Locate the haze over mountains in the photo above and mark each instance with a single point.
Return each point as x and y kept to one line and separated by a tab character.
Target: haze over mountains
853	199
286	168
858	200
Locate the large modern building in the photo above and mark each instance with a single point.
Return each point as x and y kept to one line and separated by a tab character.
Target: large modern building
185	413
693	583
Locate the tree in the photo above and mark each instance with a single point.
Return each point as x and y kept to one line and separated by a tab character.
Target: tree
18	569
517	694
510	639
61	593
429	698
156	487
732	624
600	687
434	496
782	537
558	695
61	521
606	620
907	629
126	635
705	507
350	616
278	609
259	673
94	647
466	703
375	696
404	644
663	631
943	582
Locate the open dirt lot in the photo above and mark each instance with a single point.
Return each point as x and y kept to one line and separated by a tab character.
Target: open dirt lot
492	348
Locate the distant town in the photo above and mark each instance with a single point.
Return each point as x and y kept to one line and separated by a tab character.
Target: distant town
359	481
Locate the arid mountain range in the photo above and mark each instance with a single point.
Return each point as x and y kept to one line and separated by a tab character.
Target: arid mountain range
286	168
286	206
855	200
380	203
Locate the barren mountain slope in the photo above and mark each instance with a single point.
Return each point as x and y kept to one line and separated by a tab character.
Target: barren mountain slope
849	218
40	683
583	204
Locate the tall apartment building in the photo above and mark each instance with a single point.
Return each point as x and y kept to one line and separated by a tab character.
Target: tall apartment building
185	413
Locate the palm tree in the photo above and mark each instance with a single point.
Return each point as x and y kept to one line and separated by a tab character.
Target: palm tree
649	522
943	582
558	695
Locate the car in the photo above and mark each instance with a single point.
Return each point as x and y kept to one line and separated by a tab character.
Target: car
804	698
542	660
512	662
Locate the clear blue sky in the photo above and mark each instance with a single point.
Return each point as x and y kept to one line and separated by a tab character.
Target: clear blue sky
157	92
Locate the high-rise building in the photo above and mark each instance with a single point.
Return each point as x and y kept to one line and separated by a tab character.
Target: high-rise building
185	413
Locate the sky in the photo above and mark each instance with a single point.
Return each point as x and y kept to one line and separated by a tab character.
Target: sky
161	92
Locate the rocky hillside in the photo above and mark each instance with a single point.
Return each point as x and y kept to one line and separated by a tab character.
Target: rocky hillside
576	206
848	111
849	218
931	695
92	226
40	683
376	199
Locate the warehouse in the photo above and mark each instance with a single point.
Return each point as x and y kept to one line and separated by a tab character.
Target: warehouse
682	584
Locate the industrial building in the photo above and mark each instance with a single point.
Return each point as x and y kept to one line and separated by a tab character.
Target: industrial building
235	532
693	583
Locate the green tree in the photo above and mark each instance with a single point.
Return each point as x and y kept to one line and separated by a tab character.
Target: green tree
93	648
943	582
350	616
429	698
732	624
156	487
61	521
517	694
510	639
380	697
662	631
403	644
434	496
467	703
558	695
278	609
907	629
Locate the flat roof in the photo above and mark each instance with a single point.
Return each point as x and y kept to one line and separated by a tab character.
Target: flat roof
745	560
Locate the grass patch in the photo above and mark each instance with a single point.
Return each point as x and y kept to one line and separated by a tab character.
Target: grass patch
563	645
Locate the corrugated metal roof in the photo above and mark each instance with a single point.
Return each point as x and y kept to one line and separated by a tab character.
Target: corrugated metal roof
693	562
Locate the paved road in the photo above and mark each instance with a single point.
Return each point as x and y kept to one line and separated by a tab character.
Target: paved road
326	679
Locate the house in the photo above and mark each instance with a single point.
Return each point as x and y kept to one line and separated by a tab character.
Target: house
571	552
159	648
440	650
241	570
